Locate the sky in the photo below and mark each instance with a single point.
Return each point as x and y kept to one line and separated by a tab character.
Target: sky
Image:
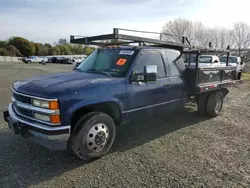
48	20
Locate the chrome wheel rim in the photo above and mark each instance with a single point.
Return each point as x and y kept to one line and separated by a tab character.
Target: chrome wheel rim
218	104
97	137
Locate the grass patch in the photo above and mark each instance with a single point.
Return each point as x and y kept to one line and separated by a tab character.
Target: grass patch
246	76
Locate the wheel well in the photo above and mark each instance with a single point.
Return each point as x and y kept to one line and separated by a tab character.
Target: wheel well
224	91
110	108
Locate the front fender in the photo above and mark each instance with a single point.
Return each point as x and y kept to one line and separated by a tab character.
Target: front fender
86	103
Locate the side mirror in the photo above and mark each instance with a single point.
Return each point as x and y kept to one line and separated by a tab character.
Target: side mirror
216	61
149	75
150	69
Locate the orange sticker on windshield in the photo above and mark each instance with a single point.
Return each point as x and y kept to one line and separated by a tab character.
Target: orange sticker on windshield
121	62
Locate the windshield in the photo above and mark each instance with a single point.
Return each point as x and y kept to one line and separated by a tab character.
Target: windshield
113	62
231	59
205	59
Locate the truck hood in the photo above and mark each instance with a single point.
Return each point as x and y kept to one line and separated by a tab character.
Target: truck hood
53	84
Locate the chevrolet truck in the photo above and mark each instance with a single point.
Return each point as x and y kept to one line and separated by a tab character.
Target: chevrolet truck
80	110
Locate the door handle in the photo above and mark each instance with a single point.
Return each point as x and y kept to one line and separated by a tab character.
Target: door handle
166	85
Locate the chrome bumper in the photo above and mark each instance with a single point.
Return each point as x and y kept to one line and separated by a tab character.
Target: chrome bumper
41	131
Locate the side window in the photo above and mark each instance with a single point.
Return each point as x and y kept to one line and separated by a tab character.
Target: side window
175	61
150	58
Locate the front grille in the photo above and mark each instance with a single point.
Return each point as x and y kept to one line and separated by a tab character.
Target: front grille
23	111
22	98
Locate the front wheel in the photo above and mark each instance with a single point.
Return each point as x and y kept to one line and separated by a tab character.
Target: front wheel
93	136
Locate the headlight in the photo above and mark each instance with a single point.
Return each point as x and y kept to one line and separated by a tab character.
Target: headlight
52	105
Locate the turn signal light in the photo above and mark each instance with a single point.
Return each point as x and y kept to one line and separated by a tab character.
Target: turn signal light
55	118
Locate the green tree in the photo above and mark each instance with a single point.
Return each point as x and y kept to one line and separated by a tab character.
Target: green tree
4	52
77	49
48	45
12	51
54	51
3	43
25	47
65	49
39	49
88	50
62	41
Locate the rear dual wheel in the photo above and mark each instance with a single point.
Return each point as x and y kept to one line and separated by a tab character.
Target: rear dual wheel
210	104
214	104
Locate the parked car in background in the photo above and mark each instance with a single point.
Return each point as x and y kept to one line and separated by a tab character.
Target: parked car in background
76	65
21	59
234	61
61	60
52	60
35	59
78	62
204	61
78	59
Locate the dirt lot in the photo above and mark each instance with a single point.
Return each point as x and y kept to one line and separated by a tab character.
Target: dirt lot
180	150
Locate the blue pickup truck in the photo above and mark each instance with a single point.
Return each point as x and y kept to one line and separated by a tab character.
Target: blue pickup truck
79	110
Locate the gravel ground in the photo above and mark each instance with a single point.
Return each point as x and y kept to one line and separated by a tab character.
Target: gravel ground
180	150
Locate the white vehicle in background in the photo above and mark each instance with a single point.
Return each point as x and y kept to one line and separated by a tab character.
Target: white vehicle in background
234	61
78	61
35	59
205	61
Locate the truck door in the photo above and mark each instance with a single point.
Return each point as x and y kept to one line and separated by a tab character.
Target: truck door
145	99
175	67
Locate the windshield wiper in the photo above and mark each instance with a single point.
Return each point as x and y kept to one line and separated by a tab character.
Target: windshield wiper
78	69
106	73
98	72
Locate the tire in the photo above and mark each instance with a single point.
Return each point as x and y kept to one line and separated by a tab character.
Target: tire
28	62
214	104
93	136
201	104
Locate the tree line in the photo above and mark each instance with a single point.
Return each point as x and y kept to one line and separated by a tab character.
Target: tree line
237	37
18	46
